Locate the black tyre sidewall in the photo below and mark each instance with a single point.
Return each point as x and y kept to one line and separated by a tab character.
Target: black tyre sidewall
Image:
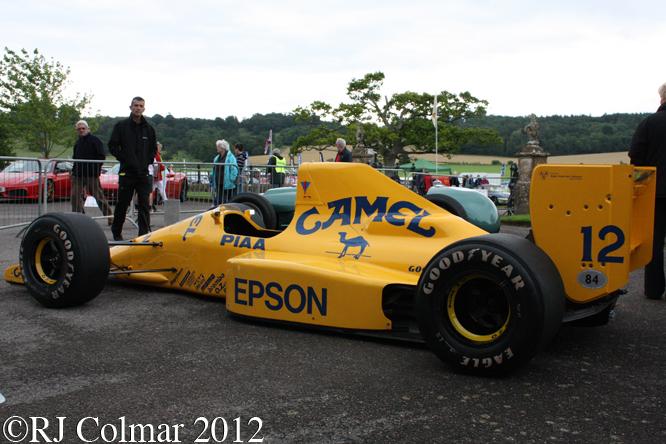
449	204
263	206
536	302
84	255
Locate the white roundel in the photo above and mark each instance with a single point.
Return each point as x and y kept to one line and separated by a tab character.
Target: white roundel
592	279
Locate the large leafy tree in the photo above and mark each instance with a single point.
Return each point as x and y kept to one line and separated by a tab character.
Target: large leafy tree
389	125
32	93
5	145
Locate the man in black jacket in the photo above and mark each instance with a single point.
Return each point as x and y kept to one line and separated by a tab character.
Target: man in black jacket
648	148
85	176
344	155
134	143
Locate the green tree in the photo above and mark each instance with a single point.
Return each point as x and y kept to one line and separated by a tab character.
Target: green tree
32	93
5	146
399	121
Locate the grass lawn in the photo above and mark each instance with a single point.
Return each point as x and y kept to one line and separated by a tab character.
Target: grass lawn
467	168
519	219
56	152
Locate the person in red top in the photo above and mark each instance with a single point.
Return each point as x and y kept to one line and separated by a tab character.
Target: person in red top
159	182
344	155
427	179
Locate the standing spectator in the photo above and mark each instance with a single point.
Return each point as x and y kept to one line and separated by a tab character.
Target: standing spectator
416	183
344	155
454	180
277	173
151	173
648	148
134	144
241	160
159	176
85	176
427	181
224	174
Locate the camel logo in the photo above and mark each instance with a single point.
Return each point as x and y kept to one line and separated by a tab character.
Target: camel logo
543	174
357	241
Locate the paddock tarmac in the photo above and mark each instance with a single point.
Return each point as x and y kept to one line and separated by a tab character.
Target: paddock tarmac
180	365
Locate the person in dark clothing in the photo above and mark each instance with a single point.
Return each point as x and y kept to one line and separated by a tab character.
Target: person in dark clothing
241	160
134	143
454	181
648	148
85	176
277	173
344	155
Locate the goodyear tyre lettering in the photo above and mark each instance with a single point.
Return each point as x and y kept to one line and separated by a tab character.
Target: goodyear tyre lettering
487	304
64	259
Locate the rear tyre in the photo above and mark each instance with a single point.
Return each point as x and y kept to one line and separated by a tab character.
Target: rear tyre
261	205
64	259
488	304
449	204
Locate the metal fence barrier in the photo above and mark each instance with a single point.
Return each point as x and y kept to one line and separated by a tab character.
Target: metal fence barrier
31	187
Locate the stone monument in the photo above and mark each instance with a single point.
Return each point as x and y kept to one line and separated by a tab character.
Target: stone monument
360	153
531	156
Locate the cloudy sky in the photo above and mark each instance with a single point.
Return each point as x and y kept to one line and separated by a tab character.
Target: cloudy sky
218	58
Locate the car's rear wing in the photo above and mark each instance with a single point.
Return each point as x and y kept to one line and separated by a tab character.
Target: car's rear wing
596	222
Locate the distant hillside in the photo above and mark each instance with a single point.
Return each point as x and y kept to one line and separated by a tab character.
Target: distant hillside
194	139
560	135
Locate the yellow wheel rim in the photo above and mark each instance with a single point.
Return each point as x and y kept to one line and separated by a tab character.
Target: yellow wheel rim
38	262
478	308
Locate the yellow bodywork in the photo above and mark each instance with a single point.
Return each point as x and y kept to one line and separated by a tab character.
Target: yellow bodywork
355	232
595	222
304	274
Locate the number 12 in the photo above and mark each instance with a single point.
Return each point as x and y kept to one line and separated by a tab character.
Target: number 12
603	254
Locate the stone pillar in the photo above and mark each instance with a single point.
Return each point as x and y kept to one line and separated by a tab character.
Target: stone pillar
363	155
531	156
527	161
360	153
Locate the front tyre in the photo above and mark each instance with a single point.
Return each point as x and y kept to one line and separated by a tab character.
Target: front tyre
488	304
261	205
64	259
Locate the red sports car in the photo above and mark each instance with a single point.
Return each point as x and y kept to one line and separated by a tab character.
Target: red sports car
20	180
176	186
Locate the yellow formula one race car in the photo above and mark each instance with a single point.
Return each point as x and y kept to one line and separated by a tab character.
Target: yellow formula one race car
364	254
